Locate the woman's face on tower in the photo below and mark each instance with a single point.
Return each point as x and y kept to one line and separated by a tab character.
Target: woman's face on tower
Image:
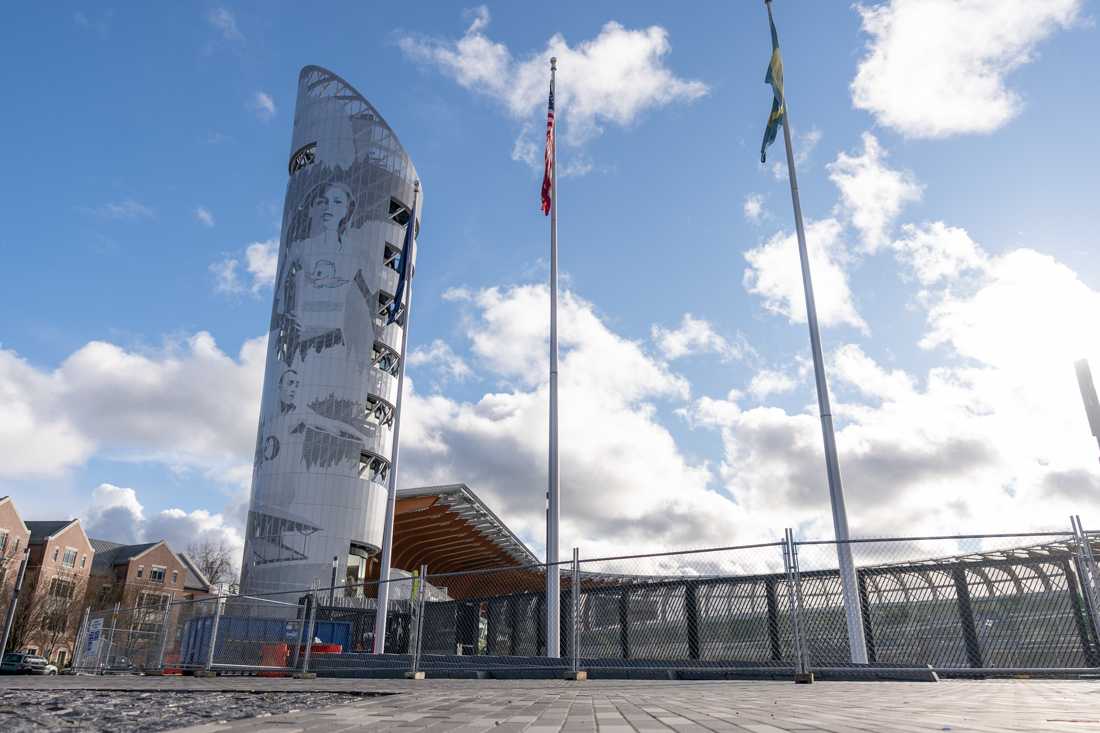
330	208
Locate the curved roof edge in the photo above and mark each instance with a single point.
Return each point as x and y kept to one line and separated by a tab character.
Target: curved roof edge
353	92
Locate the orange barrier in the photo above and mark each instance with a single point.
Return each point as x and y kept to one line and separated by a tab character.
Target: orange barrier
274	655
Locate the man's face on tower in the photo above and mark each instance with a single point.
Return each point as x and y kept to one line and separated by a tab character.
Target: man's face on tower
288	387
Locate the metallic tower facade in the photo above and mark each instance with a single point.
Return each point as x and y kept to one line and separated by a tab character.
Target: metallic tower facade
323	448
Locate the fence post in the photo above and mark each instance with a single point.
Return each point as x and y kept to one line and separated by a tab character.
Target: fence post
14	602
575	594
691	613
772	601
865	609
624	621
794	605
1089	574
1080	611
419	607
966	617
309	633
81	641
213	634
110	639
301	631
164	634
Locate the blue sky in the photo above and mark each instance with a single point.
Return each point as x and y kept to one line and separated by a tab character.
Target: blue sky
151	146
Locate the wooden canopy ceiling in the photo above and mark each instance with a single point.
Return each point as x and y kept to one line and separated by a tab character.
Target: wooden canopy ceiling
449	529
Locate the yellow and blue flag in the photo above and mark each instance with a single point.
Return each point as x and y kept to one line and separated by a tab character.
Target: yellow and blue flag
774	76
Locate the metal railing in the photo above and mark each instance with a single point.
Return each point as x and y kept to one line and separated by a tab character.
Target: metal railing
960	604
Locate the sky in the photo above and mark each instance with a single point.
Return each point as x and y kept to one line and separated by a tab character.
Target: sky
947	175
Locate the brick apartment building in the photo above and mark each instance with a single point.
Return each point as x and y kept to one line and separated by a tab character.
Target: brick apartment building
50	607
14	537
148	575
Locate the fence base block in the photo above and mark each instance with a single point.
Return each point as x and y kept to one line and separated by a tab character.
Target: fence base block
305	675
205	673
805	678
580	675
415	675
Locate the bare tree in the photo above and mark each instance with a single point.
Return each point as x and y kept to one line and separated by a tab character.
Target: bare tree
48	615
215	559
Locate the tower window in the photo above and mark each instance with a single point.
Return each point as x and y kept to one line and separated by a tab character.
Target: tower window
303	157
392	257
399	214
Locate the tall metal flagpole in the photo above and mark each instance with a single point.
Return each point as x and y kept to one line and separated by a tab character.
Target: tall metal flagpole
553	586
848	582
383	597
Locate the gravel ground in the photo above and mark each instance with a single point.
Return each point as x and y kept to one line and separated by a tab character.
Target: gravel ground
141	712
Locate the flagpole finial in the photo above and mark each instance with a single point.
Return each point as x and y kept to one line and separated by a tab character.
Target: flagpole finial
553	63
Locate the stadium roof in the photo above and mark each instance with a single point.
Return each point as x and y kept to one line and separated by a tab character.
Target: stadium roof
449	529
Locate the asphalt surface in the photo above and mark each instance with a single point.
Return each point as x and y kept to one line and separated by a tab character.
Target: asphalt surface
543	706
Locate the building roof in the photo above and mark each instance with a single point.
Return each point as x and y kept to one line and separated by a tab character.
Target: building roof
193	579
449	527
42	531
108	554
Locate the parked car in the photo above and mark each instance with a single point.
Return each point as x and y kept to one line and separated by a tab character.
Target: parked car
23	663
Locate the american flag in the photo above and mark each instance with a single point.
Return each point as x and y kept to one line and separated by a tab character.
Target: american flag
548	172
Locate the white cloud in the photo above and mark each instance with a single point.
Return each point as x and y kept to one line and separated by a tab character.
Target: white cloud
767	382
127	209
871	194
754	208
188	405
612	78
260	260
263	104
226	278
851	365
775	275
225	23
936	252
116	515
999	431
804	145
203	216
936	68
624	480
697	336
447	363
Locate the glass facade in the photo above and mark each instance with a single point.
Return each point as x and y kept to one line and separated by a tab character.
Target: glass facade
324	442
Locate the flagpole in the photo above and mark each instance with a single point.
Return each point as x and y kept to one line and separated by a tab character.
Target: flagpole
553	508
383	595
848	580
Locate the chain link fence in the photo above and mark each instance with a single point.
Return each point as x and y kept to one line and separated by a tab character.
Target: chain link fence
964	605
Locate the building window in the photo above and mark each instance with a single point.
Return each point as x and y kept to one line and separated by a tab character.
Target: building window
56	552
149	615
302	157
69	560
141	570
3	539
83	560
156	574
391	257
175	576
62	588
385	359
62	655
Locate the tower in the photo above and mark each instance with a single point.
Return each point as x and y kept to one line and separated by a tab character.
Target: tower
323	447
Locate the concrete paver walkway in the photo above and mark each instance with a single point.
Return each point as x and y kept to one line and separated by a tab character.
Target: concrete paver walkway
985	706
